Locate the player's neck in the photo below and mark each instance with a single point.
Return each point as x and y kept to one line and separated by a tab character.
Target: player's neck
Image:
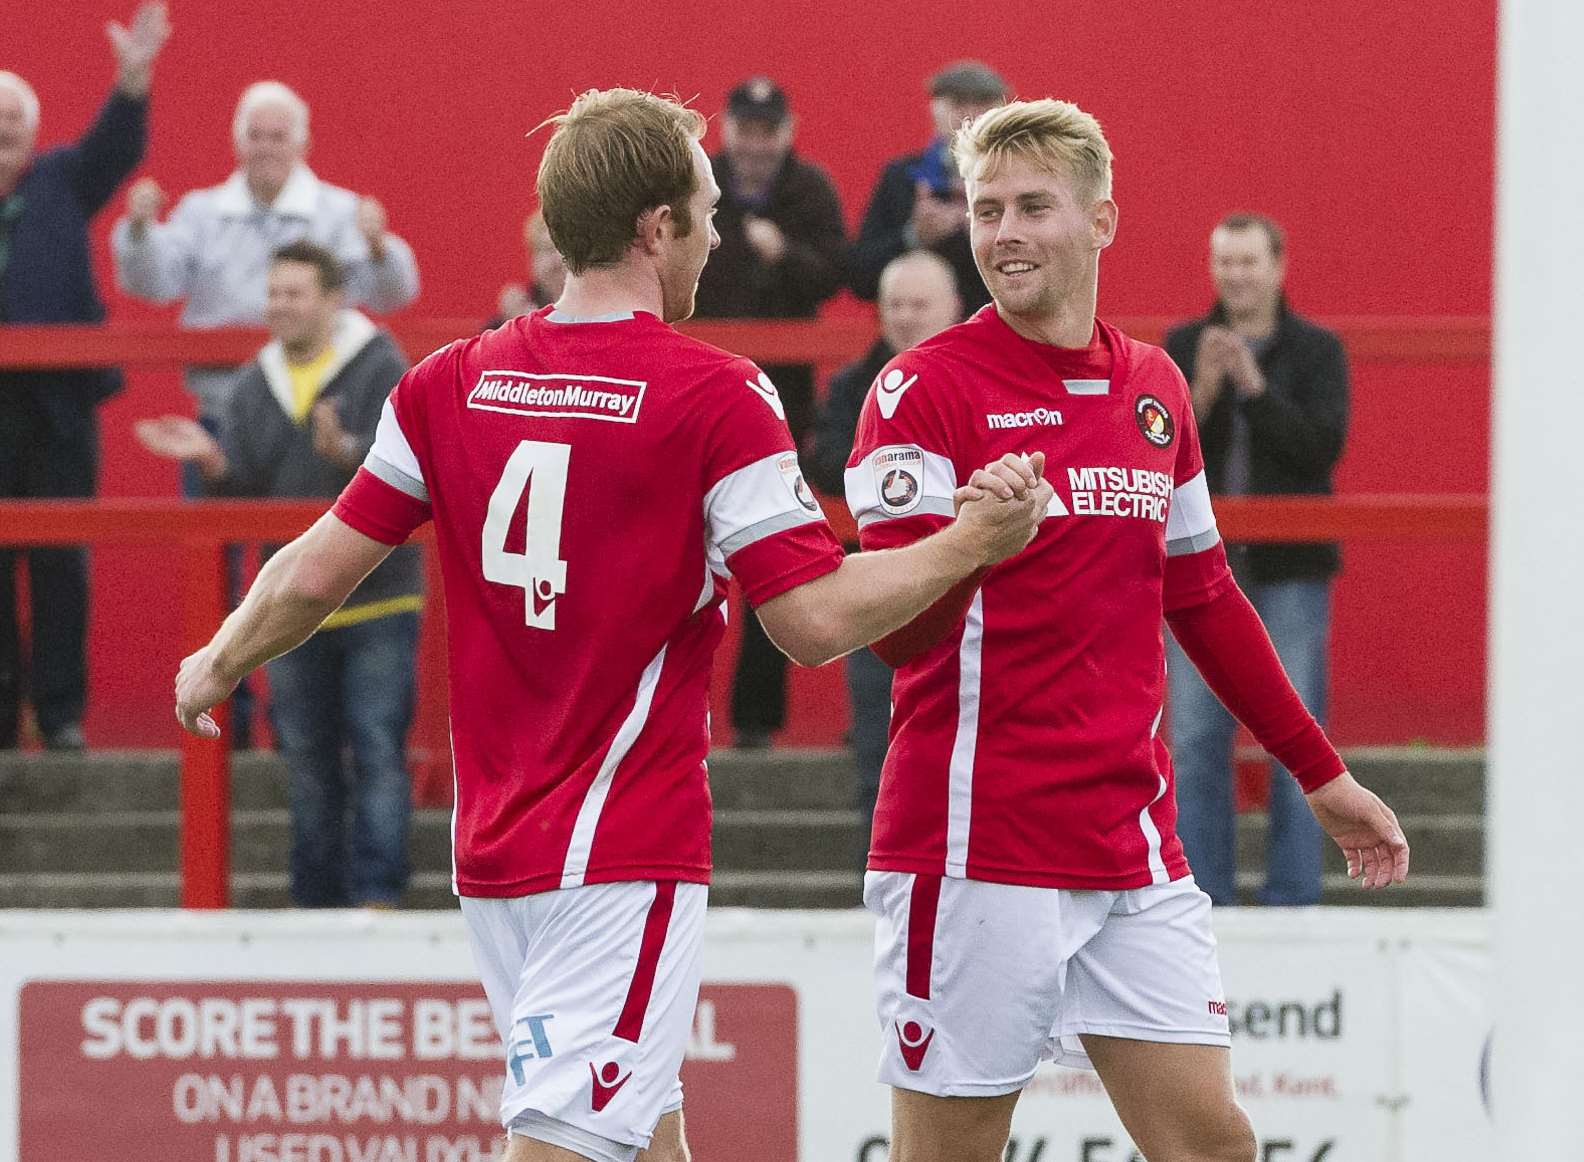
612	290
1071	325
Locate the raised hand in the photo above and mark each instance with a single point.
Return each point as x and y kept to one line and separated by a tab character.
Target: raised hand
144	201
1364	828
138	46
371	222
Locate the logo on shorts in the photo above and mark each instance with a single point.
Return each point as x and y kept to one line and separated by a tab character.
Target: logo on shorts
608	1080
914	1043
1154	421
899	476
530	1043
1217	1008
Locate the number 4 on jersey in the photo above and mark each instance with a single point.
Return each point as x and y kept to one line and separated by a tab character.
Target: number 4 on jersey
540	469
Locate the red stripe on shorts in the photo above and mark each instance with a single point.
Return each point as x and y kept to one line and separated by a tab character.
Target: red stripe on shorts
922	906
630	1024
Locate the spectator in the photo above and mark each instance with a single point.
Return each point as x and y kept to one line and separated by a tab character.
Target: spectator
547	275
918	298
1270	393
49	430
214	249
919	201
780	257
298	422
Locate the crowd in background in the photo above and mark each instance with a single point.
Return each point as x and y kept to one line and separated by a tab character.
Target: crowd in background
275	245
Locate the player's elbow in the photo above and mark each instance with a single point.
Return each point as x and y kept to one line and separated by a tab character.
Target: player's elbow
811	638
307	580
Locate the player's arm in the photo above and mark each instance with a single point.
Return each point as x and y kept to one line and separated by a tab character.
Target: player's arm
295	591
873	594
1222	635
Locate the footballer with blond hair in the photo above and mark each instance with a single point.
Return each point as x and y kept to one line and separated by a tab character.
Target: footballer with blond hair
1032	898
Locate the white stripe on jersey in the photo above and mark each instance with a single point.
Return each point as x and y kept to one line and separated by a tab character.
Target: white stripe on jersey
754	502
1152	837
391	458
1190	522
959	804
861	483
627	733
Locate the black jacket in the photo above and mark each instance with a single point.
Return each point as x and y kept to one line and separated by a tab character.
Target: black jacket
48	277
1296	429
825	463
880	238
738	284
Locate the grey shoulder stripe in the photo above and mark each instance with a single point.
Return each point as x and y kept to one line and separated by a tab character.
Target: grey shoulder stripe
1182	546
771	525
396	478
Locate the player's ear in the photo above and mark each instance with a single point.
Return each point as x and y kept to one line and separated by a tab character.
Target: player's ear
1103	222
653	225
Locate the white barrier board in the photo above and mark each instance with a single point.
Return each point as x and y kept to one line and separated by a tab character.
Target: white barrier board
1359	1036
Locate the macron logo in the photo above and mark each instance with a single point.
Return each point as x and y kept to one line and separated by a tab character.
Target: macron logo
607	1082
914	1042
588	397
889	389
766	391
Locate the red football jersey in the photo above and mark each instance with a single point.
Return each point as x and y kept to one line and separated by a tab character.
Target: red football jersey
1025	745
593	485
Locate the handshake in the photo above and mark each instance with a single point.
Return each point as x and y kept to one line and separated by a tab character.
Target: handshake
1000	508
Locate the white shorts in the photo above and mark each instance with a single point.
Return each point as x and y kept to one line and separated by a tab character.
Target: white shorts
593	991
977	982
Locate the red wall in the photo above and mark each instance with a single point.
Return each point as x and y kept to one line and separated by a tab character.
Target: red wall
1366	128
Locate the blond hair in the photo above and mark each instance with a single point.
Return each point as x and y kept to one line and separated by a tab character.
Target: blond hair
615	155
1055	135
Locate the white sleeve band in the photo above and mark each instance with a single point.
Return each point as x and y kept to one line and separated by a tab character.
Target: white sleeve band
392	459
900	480
1190	522
756	501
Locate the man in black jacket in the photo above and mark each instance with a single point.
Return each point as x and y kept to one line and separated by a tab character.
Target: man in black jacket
49	430
918	298
918	201
780	256
1270	394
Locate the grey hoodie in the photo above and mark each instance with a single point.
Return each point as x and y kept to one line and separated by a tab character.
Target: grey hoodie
269	454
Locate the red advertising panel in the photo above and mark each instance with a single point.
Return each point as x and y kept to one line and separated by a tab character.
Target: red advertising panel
269	1071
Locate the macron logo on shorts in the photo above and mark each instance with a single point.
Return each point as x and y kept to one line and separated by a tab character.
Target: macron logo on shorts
587	397
608	1080
914	1043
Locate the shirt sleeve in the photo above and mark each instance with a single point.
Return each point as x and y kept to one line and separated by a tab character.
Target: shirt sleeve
387	499
899	483
158	266
761	521
1196	563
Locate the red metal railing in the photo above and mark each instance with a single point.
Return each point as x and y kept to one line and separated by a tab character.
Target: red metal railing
202	528
1374	339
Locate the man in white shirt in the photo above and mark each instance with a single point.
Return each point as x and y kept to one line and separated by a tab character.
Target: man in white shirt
214	249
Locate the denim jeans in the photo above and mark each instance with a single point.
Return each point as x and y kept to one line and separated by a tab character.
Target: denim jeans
1297	614
347	694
